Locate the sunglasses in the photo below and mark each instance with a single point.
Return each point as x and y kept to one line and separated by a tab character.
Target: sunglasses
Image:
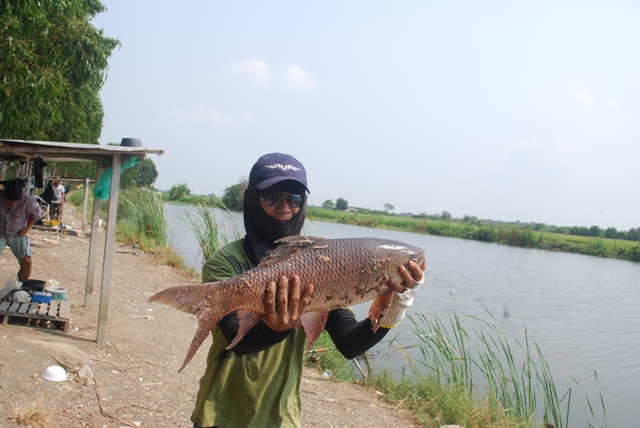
276	198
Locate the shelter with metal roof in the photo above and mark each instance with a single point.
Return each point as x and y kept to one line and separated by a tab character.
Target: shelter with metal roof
104	157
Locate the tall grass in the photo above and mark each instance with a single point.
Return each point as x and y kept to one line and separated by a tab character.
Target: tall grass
515	379
141	216
464	371
210	232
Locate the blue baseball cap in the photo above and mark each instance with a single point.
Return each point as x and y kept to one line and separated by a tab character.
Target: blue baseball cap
274	168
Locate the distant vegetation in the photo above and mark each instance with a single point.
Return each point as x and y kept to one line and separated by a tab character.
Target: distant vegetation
623	245
592	241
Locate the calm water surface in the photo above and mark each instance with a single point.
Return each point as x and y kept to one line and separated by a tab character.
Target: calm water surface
583	312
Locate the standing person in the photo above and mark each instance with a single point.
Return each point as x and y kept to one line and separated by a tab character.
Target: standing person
57	201
257	382
18	213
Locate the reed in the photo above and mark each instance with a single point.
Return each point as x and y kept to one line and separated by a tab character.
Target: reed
141	216
211	232
515	382
465	375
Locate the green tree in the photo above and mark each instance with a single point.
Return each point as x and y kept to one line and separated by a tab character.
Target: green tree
328	204
72	169
446	215
234	195
579	230
141	175
611	233
342	204
179	190
53	63
388	207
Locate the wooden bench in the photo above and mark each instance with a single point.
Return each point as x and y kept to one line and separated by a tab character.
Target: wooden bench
57	313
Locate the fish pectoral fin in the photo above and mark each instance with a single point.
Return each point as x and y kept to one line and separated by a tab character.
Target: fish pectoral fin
379	307
313	323
247	320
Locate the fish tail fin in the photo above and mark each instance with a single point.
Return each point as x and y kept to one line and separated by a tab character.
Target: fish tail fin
379	307
313	323
194	299
191	299
200	336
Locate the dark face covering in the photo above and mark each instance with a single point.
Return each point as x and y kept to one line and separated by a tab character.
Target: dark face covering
263	230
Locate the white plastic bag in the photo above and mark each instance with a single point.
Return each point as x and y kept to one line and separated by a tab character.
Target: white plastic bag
21	296
10	285
85	375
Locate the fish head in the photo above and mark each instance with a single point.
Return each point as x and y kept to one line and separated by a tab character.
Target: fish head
398	254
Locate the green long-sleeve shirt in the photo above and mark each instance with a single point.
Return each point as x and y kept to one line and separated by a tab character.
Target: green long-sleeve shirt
254	390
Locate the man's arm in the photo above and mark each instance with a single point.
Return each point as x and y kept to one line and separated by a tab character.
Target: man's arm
30	222
353	338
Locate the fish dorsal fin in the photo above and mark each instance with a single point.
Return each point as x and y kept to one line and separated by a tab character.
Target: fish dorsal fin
291	245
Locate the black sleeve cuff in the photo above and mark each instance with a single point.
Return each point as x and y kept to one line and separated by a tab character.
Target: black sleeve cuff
352	337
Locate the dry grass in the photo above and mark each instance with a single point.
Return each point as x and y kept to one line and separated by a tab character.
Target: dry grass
33	414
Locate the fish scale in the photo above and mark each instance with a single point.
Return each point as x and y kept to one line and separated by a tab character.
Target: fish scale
343	272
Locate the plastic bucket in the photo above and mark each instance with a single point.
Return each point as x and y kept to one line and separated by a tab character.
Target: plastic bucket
33	285
58	293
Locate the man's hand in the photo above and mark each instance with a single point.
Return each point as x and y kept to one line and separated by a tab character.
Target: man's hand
403	294
283	303
410	277
23	232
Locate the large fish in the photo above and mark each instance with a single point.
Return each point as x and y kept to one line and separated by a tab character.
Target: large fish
342	271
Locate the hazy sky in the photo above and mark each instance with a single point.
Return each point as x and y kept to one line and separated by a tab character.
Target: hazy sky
504	110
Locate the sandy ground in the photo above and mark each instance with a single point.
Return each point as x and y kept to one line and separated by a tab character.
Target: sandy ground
136	373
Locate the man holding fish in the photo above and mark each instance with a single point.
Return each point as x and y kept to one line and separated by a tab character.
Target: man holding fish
257	293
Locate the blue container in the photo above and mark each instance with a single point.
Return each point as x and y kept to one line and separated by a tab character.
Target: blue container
41	297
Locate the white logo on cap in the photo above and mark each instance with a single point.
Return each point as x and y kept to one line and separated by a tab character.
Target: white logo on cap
282	167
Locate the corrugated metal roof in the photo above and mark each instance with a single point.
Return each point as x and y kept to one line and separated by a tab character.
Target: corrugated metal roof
12	150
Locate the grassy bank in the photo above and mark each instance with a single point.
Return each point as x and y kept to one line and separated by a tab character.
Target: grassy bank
468	376
141	220
500	234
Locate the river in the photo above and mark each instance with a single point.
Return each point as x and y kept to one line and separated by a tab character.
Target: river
583	312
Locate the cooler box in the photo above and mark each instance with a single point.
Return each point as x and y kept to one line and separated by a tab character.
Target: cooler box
41	297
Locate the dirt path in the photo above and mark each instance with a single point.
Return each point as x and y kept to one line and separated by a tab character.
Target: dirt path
136	371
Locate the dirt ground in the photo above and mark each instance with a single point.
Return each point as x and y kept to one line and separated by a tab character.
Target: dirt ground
136	372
